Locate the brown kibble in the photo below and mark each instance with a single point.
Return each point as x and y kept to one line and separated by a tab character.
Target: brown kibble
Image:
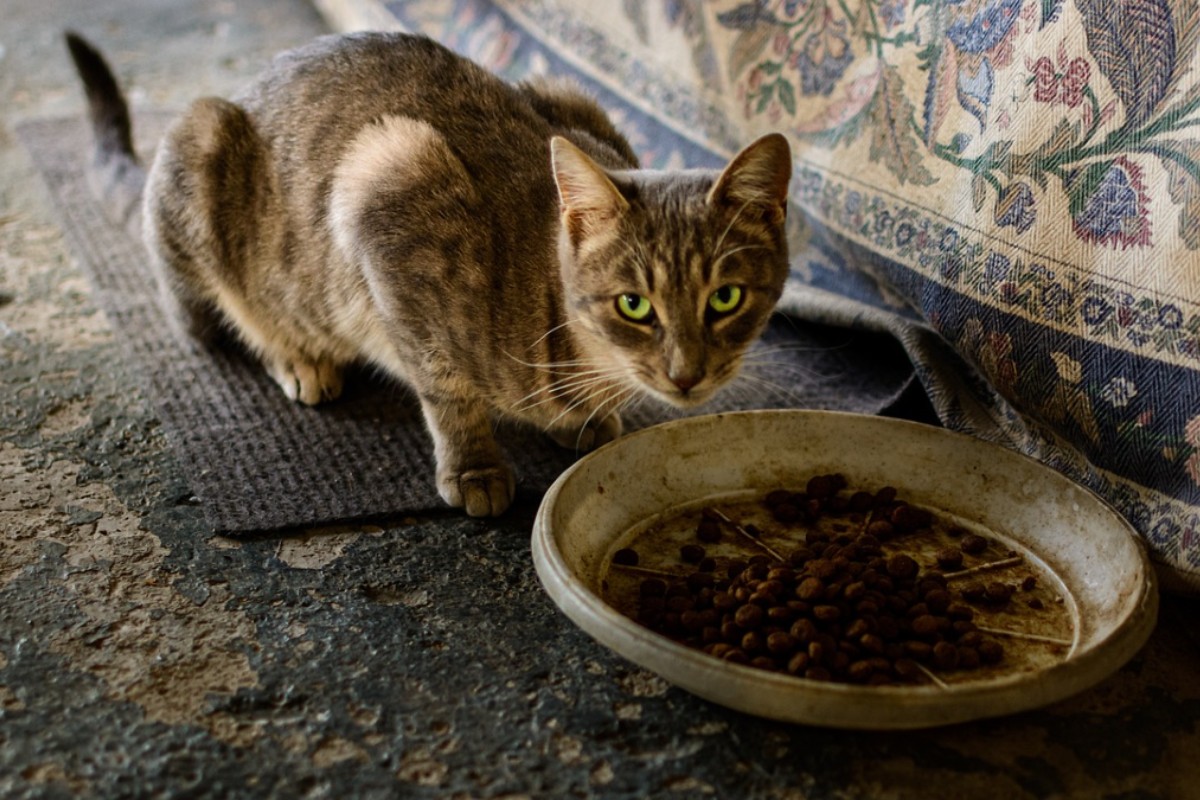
857	628
871	643
854	591
735	655
938	601
785	513
781	643
860	671
811	588
822	568
1035	603
800	556
626	557
998	592
974	591
861	501
885	496
764	662
724	601
881	530
838	607
902	566
970	638
680	603
945	655
708	531
907	669
949	558
921	651
781	615
653	587
824	485
827	613
926	626
753	642
749	616
960	611
973	544
909	518
804	630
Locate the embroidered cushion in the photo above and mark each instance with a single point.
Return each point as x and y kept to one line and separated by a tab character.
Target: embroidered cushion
1012	187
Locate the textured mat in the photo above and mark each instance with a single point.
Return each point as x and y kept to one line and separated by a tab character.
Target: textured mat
257	461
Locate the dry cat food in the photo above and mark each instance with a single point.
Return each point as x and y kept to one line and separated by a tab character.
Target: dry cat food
844	602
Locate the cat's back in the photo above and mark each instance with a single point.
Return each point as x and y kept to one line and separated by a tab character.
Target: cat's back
313	100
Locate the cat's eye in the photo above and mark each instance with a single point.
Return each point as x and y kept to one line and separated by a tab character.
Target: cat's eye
635	307
725	299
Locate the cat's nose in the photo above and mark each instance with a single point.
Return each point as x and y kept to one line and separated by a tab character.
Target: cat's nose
684	381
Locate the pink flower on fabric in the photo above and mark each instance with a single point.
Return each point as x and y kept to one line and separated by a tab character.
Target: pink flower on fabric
1193	468
1045	81
1075	81
1191	432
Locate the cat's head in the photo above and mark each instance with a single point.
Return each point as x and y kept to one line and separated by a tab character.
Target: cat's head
670	276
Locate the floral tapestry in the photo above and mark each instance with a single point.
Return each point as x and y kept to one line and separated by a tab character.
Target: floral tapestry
1011	187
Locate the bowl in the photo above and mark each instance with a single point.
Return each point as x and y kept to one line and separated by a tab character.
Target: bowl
645	490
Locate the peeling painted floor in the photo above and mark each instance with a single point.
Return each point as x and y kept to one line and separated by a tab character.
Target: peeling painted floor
142	657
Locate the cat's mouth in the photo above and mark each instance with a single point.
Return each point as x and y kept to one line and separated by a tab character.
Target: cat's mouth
685	399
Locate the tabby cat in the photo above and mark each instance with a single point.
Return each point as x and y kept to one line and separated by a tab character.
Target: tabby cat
377	199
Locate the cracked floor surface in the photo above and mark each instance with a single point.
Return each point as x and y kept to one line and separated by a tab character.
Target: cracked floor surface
142	657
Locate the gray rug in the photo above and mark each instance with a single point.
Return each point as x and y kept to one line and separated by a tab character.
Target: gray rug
257	461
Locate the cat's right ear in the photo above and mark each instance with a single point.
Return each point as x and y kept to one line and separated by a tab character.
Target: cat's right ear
588	201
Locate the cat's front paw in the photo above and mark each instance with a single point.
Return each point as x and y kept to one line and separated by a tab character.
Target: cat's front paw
486	492
590	436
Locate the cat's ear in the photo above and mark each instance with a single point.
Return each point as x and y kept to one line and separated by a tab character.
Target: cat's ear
587	198
758	178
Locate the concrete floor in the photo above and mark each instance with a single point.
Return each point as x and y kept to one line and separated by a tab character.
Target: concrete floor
142	657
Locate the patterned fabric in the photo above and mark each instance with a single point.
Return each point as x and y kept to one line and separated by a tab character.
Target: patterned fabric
1012	187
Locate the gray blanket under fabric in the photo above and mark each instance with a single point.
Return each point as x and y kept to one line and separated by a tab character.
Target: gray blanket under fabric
257	461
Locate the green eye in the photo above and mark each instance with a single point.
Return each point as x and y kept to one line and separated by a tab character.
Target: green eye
634	307
725	299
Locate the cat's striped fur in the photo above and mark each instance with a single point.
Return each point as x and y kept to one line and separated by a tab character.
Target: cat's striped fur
375	198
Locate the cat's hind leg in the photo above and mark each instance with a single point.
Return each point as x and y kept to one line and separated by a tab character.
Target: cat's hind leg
211	224
306	380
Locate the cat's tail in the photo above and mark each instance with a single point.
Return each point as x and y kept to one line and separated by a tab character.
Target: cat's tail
115	174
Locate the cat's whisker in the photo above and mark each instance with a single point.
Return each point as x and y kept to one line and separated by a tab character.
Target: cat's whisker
552	365
768	385
540	339
728	253
729	227
574	384
622	392
609	386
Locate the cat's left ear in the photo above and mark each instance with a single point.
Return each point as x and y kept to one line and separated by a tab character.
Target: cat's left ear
587	198
758	177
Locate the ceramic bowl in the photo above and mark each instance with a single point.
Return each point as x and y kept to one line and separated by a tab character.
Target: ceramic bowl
1085	555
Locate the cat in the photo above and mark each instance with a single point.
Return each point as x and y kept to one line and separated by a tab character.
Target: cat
377	199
